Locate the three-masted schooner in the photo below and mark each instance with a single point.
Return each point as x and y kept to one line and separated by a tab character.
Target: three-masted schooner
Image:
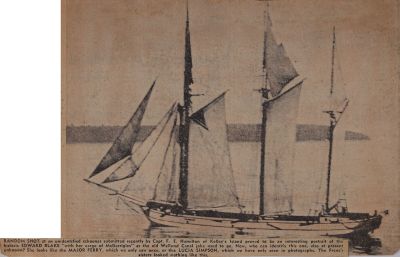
181	174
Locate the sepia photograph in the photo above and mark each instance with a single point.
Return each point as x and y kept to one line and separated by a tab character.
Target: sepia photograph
231	119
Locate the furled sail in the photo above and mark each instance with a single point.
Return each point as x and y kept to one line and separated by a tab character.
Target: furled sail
123	145
279	69
129	167
143	184
280	143
210	178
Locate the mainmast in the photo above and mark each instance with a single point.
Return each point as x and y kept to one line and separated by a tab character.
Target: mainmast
264	105
279	72
335	114
185	119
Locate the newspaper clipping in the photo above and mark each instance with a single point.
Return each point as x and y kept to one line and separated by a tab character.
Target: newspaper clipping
228	128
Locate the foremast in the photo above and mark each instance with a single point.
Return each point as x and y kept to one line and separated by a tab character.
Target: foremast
184	111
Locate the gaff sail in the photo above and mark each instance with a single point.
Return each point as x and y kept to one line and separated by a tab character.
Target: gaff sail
280	151
125	141
210	177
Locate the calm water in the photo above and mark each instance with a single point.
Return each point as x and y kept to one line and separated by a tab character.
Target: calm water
357	171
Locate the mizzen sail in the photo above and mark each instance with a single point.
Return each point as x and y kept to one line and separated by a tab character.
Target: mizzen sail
123	145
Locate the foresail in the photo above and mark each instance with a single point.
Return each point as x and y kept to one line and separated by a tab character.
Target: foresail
143	184
210	177
123	145
280	70
280	143
129	167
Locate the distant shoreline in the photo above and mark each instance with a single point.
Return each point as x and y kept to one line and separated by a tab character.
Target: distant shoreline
236	133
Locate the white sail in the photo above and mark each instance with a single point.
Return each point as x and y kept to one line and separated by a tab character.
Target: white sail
143	184
280	142
210	174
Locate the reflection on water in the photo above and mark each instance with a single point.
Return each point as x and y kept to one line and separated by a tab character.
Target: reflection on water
365	245
360	244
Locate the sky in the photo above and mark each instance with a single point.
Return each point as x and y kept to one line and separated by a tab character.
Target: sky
115	49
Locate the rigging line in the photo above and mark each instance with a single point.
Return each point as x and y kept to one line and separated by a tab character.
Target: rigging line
231	166
127	205
341	77
171	134
318	195
137	201
342	111
170	112
172	185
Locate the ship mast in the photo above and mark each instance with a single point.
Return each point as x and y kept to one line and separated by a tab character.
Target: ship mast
331	126
264	105
334	116
185	119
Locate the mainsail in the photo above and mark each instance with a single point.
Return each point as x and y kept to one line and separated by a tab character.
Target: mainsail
280	151
210	180
123	145
210	177
278	126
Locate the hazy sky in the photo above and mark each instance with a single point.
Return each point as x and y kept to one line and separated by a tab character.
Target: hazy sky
115	49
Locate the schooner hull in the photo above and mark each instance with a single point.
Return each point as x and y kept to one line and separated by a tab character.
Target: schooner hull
332	226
